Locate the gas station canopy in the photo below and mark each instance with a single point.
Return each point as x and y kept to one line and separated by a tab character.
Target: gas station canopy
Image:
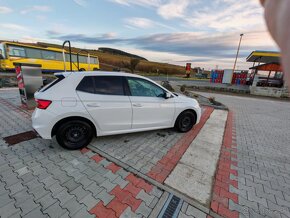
268	67
264	57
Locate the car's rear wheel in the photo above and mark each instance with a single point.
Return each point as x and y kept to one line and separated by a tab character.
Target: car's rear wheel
74	134
185	121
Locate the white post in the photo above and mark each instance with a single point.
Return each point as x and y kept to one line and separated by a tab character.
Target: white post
89	62
241	36
64	61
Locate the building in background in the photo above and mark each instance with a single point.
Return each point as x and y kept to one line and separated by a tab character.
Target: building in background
266	77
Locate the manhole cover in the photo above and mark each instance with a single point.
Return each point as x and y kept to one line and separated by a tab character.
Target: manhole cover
21	137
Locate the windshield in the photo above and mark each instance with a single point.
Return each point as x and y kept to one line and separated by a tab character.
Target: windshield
2	53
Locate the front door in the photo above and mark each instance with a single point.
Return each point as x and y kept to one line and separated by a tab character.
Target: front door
106	102
150	108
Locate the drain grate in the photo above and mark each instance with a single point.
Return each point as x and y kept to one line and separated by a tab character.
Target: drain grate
21	137
171	208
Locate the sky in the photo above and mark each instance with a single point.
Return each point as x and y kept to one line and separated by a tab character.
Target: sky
205	33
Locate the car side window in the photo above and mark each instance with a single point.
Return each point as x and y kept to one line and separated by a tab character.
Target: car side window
141	87
87	85
109	85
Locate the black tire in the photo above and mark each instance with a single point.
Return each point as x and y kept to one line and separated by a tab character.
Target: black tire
82	69
74	134
185	121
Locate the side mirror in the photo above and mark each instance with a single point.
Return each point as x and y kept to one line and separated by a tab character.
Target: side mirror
167	95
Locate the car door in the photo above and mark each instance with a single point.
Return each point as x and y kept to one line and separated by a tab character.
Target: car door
150	108
104	98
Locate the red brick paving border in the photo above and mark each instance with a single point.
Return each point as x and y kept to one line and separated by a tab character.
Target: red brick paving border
124	198
164	166
101	211
113	167
221	193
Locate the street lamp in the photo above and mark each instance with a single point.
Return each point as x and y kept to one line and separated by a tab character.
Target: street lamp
241	36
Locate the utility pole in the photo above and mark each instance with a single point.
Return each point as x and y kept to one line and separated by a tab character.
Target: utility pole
241	36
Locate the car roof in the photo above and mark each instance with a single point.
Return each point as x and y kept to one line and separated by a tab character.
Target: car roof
98	73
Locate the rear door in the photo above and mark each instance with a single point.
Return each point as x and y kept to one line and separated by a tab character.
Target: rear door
104	98
150	108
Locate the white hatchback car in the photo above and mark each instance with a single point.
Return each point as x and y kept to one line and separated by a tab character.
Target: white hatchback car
80	105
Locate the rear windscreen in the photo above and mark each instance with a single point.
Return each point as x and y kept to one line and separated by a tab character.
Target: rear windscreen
54	82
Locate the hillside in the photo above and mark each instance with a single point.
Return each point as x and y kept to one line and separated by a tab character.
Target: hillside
109	61
113	59
119	52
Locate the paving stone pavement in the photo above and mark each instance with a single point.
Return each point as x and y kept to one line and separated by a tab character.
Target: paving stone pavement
141	150
263	151
38	178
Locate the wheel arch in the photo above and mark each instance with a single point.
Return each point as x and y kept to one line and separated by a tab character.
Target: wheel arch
189	110
60	122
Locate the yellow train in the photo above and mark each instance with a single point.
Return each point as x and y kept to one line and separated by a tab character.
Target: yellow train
51	59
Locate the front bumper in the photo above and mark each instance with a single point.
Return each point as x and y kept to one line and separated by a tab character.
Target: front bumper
198	113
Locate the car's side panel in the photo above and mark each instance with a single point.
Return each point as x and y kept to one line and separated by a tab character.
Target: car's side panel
110	112
152	112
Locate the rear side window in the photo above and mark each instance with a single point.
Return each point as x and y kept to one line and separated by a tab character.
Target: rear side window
87	85
48	86
109	85
102	85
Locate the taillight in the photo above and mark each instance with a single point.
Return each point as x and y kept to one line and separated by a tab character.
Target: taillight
42	104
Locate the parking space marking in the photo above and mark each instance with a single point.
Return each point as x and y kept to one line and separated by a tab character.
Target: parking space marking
193	175
165	166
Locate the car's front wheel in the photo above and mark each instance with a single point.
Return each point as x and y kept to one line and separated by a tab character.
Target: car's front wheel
185	121
74	134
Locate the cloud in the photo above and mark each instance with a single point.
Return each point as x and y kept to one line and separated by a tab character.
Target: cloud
210	15
227	16
5	10
219	45
143	3
174	9
14	27
37	8
82	3
139	22
144	23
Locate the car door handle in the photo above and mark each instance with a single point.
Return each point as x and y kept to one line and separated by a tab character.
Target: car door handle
93	105
137	105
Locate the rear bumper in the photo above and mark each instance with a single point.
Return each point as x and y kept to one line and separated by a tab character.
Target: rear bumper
41	123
